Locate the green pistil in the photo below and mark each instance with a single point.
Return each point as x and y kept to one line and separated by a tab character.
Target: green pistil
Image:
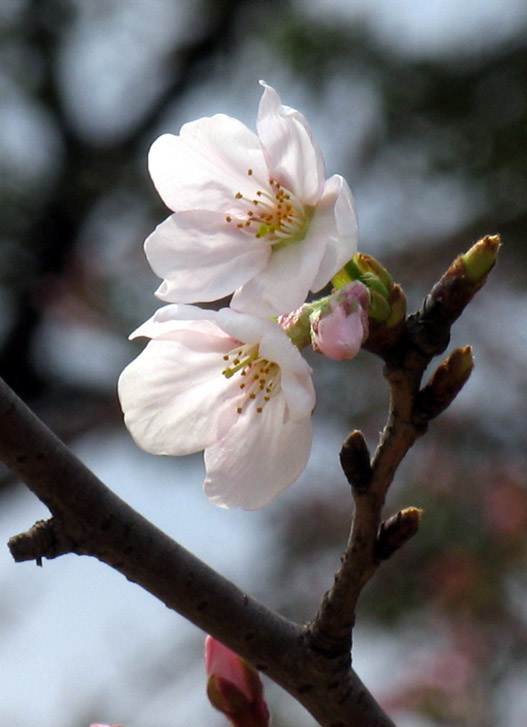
301	234
231	370
264	230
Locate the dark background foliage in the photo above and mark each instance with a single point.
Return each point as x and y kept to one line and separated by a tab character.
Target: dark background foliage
430	129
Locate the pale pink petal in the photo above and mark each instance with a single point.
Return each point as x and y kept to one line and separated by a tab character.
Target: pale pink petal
207	164
170	393
339	335
179	317
202	257
292	155
335	225
285	282
248	329
218	170
259	456
299	394
276	346
308	264
274	343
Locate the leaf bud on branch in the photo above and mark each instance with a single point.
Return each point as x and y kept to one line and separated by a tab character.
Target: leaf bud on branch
396	531
445	384
355	461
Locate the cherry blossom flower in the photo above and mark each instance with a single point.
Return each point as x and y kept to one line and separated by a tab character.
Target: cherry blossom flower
254	213
231	384
234	687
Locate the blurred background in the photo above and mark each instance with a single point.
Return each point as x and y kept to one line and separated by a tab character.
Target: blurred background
423	108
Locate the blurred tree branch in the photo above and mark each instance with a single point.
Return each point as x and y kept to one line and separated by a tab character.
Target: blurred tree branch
87	173
88	170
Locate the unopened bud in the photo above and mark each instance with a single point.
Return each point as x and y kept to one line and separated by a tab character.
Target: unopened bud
480	259
396	531
368	265
367	270
234	687
297	325
339	328
387	300
429	329
446	383
355	461
379	308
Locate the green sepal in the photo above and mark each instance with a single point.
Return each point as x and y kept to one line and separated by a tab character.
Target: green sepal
372	282
340	279
397	306
379	308
368	264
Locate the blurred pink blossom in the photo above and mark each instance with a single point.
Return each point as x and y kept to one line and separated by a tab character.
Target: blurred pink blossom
234	687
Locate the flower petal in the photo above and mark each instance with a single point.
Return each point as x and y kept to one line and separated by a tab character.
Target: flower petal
207	164
170	394
257	457
292	155
339	335
175	317
299	394
275	345
201	257
335	225
285	282
307	264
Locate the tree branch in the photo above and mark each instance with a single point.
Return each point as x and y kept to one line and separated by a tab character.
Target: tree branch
88	519
407	352
313	663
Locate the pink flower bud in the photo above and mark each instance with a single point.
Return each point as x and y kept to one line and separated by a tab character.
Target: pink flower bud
234	687
339	330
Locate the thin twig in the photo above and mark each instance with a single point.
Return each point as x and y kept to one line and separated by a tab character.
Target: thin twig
407	353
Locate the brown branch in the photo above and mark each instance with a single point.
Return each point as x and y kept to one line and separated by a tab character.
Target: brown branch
45	539
407	351
312	664
88	519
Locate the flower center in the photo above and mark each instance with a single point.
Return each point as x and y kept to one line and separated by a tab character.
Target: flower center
260	379
275	214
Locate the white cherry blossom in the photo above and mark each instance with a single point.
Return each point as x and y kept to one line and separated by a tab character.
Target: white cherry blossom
254	213
228	383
